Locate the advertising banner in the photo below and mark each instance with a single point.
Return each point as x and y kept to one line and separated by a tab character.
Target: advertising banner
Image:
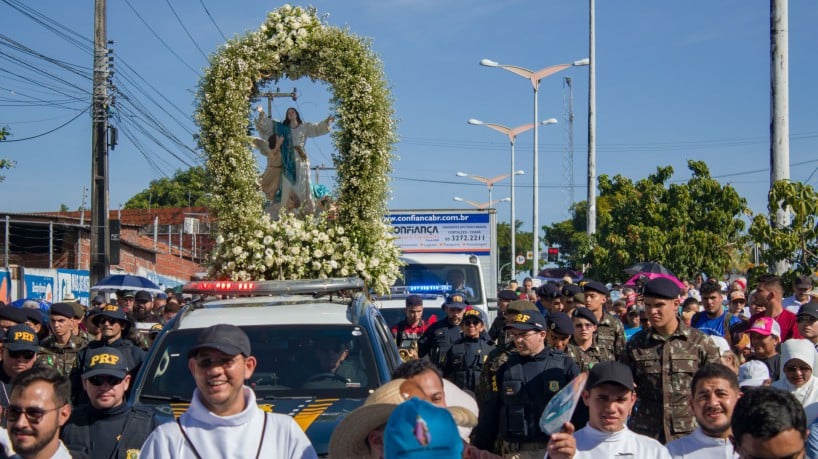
75	281
5	286
39	287
442	232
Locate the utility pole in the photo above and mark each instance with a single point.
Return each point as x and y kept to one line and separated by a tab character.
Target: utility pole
779	109
591	123
570	86
100	229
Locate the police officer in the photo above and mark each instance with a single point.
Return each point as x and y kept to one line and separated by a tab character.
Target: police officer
408	331
107	427
143	317
521	389
663	358
610	332
440	336
60	349
19	352
464	361
584	347
497	335
114	326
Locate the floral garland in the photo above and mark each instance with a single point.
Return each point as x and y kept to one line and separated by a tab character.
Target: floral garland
294	43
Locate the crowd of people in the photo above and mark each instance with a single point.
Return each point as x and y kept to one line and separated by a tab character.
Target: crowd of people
667	367
732	377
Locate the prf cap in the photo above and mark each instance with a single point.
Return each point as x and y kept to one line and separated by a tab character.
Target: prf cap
104	361
21	338
529	320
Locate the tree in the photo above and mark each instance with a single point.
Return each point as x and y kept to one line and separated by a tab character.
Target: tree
571	237
690	227
186	188
798	241
4	163
522	241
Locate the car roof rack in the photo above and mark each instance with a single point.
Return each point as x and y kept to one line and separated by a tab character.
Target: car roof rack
317	287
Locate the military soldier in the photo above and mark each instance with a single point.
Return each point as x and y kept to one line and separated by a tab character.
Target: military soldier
559	331
584	347
440	336
464	361
551	297
610	333
521	389
60	349
663	359
496	334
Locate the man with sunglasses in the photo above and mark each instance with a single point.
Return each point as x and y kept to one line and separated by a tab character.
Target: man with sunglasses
38	408
19	352
464	361
107	427
223	419
521	389
808	322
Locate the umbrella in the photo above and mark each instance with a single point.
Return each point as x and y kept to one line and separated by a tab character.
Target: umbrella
648	267
116	282
44	305
632	281
559	273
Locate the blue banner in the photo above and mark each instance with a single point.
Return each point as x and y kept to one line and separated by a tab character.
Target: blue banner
39	287
75	281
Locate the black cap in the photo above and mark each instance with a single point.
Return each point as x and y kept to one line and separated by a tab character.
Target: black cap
143	296
803	282
126	294
456	300
33	315
585	313
529	320
98	300
62	309
113	311
610	372
473	314
548	291
594	286
661	288
21	338
571	290
809	309
229	339
521	306
104	361
508	295
13	314
414	300
559	322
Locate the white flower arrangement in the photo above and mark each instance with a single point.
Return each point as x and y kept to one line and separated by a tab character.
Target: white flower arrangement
293	43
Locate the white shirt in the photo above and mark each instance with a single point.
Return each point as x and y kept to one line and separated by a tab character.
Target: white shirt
236	436
595	444
61	453
792	304
697	445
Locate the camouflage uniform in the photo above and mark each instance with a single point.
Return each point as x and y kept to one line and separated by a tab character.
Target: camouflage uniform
610	334
61	357
586	359
663	369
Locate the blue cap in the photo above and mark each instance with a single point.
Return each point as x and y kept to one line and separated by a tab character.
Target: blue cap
418	429
21	338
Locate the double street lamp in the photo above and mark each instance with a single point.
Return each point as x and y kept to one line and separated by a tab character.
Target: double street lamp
512	134
481	205
535	77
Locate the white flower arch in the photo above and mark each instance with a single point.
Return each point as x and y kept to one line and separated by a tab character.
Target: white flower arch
294	43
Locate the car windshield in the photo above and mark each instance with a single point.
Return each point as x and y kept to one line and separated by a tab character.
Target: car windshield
394	315
293	361
442	279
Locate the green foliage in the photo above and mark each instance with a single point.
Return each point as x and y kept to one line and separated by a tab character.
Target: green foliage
690	227
4	163
796	242
523	241
185	188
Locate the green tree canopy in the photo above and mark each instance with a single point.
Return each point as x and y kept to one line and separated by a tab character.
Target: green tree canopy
4	163
797	242
522	241
185	188
688	227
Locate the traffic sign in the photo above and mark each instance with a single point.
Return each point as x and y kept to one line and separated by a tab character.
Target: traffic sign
520	259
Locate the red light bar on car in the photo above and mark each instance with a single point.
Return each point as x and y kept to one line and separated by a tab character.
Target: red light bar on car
287	287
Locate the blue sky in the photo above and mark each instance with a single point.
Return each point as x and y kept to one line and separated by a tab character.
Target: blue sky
675	81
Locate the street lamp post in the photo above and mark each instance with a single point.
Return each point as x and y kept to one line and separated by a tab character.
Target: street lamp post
512	134
481	205
535	77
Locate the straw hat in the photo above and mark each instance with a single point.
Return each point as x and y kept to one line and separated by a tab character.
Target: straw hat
349	438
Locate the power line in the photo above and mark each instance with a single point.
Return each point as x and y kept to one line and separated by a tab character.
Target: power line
201	2
185	29
160	38
48	132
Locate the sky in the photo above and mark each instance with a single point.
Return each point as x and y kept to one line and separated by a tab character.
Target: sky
674	81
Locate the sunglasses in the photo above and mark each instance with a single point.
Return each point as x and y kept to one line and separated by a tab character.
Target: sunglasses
469	323
25	355
99	380
34	415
